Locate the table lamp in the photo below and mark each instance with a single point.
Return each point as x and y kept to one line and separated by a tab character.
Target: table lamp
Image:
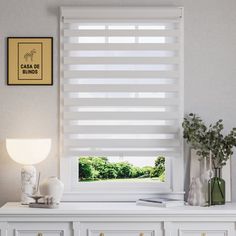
28	152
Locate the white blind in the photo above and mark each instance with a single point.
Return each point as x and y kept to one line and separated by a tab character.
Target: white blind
121	81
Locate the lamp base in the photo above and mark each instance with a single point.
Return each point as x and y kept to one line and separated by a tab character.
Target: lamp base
28	184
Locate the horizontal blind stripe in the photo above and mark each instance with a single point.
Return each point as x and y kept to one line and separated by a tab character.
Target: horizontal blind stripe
121	46
121	21
120	129
118	81
120	115
120	74
120	88
134	153
121	143
119	33
120	60
120	102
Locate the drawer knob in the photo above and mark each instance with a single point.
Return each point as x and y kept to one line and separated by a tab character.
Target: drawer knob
203	234
101	234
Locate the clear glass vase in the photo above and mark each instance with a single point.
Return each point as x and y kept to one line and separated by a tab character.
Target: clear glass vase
216	189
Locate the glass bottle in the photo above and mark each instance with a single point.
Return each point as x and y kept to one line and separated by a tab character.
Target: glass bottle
216	189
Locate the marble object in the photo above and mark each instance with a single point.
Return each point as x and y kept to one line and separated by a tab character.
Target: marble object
192	194
196	195
28	184
201	193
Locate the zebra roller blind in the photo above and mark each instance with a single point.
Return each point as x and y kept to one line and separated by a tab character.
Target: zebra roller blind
121	81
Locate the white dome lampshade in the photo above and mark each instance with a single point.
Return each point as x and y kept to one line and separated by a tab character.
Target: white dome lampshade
28	151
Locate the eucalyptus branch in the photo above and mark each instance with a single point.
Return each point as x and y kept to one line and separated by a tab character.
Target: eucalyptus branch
205	139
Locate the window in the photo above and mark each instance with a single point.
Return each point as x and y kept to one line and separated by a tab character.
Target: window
121	102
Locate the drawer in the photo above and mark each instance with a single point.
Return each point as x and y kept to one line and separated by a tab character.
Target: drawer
203	229
38	233
203	233
3	230
40	229
121	229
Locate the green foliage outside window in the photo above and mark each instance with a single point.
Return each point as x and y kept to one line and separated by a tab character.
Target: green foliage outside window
99	168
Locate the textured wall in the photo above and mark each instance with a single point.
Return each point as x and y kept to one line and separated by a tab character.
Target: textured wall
210	58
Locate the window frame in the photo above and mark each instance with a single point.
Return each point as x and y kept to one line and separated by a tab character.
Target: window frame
173	186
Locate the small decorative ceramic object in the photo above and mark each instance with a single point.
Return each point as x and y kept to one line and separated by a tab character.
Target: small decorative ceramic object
201	196
53	187
196	196
192	195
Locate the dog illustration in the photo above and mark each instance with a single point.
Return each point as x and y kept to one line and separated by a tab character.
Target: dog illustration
30	55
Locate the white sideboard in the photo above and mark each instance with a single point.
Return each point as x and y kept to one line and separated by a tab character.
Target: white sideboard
117	219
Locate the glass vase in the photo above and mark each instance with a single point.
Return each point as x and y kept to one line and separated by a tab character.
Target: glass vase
216	189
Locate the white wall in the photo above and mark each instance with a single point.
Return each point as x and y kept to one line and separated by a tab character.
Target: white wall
210	73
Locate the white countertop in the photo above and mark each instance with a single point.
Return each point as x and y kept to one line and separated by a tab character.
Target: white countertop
112	208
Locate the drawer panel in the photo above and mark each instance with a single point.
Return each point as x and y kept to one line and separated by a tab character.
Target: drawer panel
203	233
121	229
3	229
40	229
203	229
117	232
39	233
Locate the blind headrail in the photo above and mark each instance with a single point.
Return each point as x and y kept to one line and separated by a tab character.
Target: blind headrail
121	13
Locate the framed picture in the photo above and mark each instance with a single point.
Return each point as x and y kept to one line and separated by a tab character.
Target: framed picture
30	61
